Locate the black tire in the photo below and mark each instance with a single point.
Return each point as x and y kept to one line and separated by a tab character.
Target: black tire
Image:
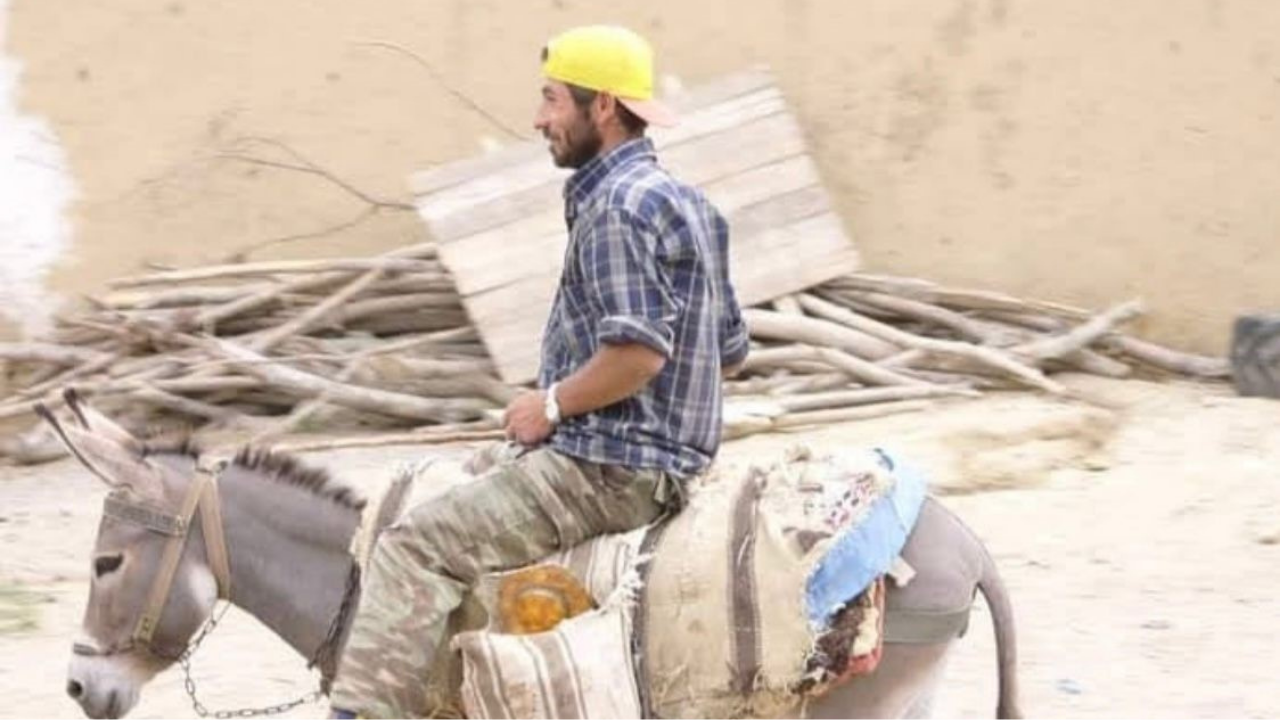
1255	355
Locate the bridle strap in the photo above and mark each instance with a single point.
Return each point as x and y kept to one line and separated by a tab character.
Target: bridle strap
215	541
204	487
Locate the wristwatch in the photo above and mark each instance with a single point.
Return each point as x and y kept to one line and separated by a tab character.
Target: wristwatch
553	405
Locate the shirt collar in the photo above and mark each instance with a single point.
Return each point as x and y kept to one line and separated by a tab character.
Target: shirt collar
582	183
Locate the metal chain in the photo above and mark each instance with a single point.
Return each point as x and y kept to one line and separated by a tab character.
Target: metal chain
189	683
322	656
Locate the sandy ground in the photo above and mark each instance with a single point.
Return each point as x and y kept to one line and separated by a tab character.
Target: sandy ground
1135	526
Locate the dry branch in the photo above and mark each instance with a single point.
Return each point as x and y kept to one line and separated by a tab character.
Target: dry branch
983	355
49	353
315	314
852	365
1082	336
306	385
812	331
1170	360
278	267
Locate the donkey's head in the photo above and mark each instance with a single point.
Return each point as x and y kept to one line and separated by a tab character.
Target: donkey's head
152	584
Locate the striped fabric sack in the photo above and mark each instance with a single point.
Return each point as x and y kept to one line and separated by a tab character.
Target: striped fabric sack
581	669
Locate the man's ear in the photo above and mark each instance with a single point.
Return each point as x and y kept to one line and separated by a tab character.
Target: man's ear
606	108
115	464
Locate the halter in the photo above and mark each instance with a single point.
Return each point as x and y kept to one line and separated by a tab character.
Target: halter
202	495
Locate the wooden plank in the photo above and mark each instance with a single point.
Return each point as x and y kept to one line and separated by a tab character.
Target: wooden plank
766	265
499	221
455	173
710	158
536	245
538	170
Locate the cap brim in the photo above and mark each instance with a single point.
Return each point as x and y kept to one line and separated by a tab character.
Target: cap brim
654	112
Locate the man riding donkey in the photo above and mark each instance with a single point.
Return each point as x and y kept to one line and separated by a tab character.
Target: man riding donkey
644	325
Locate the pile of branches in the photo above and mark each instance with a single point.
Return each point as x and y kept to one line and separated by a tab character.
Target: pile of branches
286	346
865	345
272	347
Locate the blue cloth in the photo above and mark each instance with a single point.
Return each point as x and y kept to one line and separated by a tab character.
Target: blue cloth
867	550
647	262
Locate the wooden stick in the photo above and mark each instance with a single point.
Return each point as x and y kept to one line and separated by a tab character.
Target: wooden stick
1032	321
1014	330
65	378
787	305
984	355
279	267
316	314
847	414
431	368
373	400
415	283
933	314
1079	337
812	331
813	383
407	438
782	383
867	396
1096	363
1169	360
853	365
394	304
207	384
305	410
956	298
818	307
211	316
48	353
745	425
435	341
420	321
177	297
177	403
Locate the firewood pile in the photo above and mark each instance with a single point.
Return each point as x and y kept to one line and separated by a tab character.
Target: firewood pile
282	347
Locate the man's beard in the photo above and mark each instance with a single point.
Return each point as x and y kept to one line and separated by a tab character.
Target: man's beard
582	143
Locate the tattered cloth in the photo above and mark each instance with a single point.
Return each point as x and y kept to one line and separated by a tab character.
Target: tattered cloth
746	582
767	588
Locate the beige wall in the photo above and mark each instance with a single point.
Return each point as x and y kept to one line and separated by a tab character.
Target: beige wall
1085	151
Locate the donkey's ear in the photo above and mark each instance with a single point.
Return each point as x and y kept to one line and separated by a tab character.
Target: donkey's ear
113	463
97	423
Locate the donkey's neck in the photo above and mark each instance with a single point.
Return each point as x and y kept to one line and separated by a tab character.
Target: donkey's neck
288	549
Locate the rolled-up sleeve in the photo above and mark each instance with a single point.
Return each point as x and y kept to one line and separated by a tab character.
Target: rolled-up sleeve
734	340
628	283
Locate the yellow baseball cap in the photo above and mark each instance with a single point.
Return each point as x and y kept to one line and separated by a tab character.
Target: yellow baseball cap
611	59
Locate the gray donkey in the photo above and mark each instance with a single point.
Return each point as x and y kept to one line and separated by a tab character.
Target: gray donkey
273	538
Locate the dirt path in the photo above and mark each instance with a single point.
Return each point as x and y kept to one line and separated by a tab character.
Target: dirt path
1137	532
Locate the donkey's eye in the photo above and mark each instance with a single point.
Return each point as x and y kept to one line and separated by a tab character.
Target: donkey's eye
104	564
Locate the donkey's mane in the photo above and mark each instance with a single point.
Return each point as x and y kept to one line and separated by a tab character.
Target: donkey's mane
284	468
272	465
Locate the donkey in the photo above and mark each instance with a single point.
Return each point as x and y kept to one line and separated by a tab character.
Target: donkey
273	537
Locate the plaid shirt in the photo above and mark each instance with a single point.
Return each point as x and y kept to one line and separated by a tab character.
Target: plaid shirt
647	262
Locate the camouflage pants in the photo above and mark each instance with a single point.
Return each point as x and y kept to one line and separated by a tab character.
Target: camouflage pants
514	514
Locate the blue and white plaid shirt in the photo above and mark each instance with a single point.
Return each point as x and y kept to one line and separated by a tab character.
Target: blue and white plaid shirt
647	262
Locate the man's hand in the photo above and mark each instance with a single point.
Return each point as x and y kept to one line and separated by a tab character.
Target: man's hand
526	419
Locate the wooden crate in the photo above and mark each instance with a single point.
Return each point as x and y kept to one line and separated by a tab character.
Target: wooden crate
499	218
